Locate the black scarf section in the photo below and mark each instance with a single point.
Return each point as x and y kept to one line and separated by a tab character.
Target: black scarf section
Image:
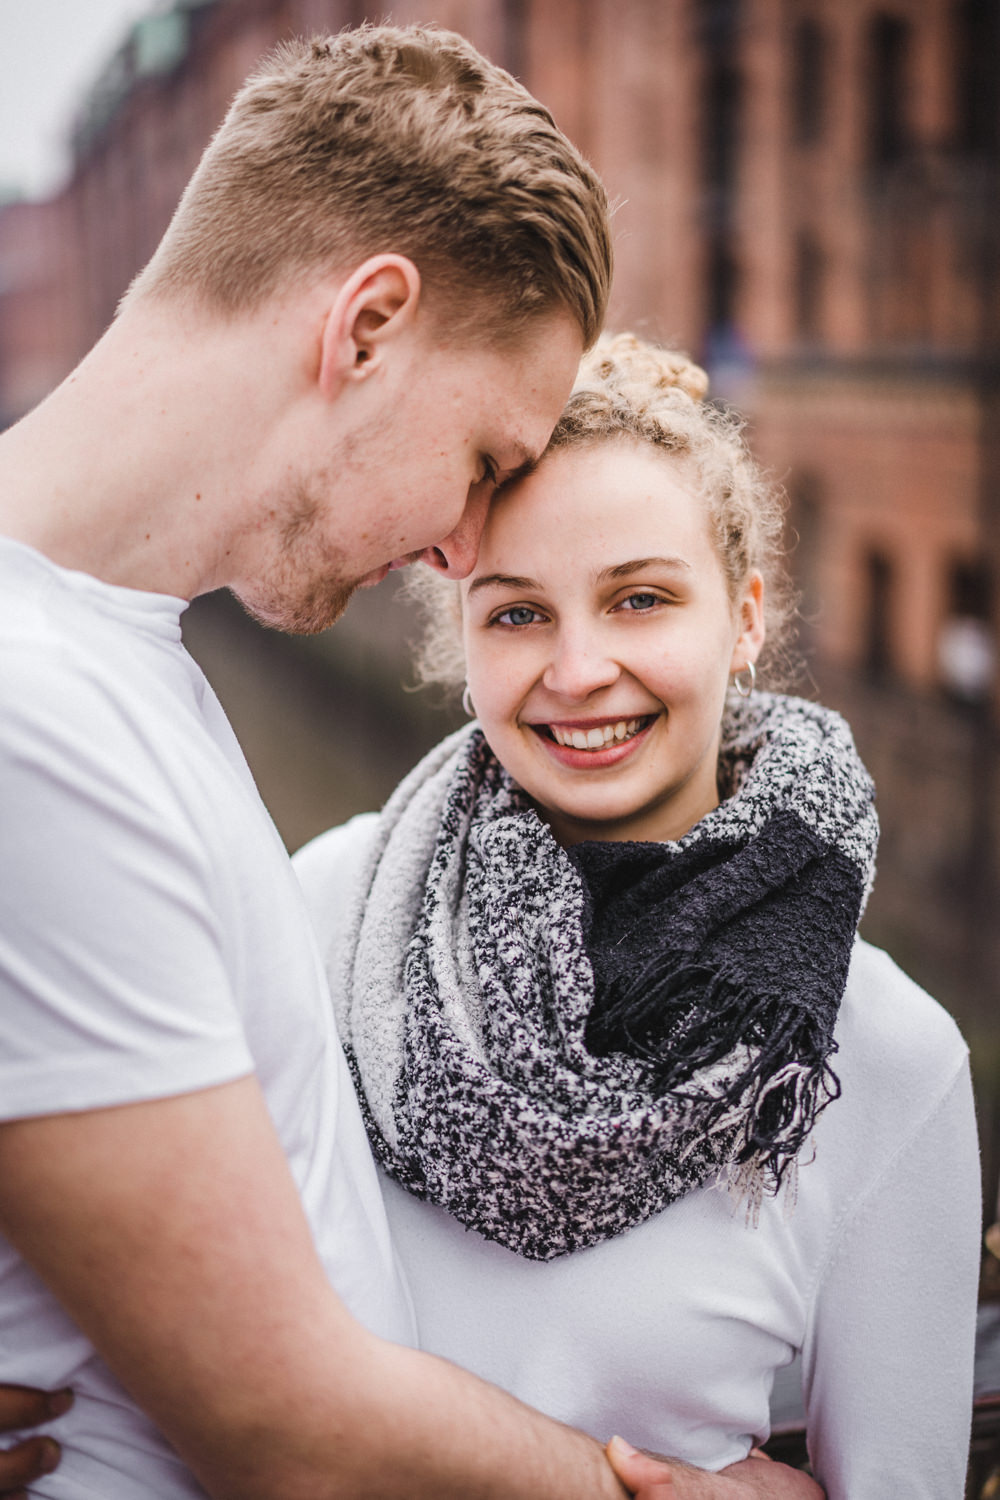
691	948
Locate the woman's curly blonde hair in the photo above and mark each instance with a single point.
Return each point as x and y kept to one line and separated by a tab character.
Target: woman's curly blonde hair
628	389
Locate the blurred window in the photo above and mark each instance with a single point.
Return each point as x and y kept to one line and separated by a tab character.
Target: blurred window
966	647
808	287
721	113
878	623
722	284
806	494
809	79
888	88
514	27
978	59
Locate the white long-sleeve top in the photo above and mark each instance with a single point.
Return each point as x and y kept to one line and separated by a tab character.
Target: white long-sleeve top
671	1334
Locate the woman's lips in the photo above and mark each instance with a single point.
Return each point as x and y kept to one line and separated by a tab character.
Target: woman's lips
593	743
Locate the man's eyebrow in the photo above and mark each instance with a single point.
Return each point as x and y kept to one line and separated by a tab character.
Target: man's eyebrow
502	581
640	564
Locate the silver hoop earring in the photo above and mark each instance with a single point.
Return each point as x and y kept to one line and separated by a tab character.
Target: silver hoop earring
745	680
467	702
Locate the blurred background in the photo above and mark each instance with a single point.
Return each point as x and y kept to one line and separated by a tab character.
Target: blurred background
807	202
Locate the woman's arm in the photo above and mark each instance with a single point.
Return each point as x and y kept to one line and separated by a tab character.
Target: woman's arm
888	1359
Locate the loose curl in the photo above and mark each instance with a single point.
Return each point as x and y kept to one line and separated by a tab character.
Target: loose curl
630	390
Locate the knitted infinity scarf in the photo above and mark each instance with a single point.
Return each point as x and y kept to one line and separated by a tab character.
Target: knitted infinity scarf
554	1045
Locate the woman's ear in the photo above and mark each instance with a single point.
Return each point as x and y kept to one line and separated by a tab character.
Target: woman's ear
376	304
750	640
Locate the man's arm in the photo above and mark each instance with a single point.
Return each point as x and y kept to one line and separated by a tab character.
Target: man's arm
173	1234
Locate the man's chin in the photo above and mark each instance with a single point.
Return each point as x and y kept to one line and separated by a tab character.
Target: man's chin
306	615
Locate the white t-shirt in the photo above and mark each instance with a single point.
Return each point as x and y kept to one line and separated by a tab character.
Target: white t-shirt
671	1334
153	941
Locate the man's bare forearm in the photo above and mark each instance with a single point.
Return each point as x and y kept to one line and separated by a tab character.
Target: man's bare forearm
173	1234
442	1434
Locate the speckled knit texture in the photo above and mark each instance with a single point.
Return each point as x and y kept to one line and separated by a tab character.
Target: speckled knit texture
555	1045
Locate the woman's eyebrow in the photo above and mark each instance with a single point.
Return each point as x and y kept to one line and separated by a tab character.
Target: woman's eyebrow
639	564
501	581
615	570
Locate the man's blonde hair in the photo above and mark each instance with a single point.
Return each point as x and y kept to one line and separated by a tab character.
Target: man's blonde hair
401	139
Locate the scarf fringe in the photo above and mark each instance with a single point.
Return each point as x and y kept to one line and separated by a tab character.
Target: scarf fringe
681	1021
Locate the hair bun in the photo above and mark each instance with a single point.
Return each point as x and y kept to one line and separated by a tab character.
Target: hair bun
621	360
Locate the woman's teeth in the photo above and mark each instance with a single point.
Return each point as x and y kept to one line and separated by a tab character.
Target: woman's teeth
597	738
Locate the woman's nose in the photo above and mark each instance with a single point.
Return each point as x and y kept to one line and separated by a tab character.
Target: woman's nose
580	665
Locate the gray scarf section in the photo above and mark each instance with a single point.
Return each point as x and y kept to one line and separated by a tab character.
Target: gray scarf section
463	988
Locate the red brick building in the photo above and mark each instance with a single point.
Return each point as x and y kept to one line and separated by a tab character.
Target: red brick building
808	200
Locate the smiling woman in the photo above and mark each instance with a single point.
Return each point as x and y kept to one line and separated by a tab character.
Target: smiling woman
646	1106
600	680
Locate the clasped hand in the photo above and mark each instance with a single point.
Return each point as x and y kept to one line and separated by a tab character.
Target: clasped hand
757	1477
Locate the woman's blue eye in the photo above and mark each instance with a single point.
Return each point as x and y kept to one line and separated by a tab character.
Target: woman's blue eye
641	601
518	614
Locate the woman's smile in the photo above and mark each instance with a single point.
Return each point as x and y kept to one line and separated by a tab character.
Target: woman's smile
589	744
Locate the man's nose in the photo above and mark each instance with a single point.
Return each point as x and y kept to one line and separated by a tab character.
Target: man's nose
455	557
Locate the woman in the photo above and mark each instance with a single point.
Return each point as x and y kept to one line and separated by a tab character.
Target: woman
652	1119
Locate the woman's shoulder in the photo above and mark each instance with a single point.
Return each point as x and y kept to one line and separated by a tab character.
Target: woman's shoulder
896	1044
894	1010
904	1109
327	869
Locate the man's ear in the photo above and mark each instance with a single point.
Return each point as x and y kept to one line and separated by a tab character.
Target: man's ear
378	302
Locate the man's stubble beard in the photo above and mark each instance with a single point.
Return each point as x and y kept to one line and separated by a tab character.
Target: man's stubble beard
306	590
306	615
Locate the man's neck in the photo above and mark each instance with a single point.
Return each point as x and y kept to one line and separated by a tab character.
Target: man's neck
135	469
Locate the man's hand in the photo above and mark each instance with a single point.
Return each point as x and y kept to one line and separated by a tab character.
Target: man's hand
30	1459
756	1478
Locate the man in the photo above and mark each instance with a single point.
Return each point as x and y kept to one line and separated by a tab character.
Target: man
366	313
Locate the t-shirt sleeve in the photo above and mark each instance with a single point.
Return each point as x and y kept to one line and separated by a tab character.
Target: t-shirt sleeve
888	1364
113	977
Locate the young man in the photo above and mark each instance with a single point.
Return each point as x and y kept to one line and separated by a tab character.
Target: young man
366	313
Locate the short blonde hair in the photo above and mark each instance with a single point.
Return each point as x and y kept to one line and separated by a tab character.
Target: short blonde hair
401	139
628	389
